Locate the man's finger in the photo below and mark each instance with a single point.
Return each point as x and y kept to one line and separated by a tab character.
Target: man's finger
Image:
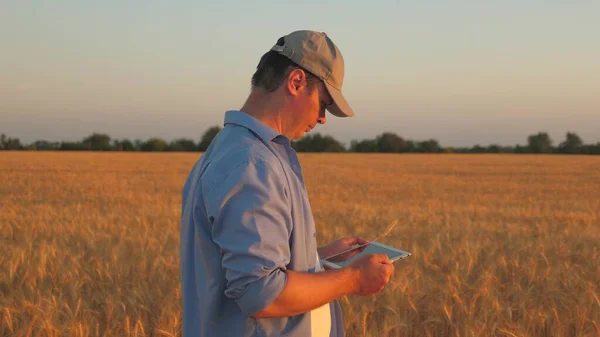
383	258
361	241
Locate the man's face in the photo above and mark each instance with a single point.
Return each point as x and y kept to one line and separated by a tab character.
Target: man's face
310	107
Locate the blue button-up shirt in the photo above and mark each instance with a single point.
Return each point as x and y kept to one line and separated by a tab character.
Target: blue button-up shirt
246	219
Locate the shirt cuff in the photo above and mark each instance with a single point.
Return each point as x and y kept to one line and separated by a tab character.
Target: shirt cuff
261	293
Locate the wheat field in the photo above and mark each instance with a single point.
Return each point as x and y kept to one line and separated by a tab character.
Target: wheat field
503	245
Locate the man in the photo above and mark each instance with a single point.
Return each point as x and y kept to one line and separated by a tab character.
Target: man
249	257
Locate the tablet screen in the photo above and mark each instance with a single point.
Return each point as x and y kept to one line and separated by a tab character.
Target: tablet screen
377	248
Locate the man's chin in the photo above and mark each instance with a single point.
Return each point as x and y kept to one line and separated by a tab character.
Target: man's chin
299	135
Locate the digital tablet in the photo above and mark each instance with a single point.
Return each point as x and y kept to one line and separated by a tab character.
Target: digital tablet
372	248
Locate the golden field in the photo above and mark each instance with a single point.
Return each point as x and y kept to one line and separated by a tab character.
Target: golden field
503	245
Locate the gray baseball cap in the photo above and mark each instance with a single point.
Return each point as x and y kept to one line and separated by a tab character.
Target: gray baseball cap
316	53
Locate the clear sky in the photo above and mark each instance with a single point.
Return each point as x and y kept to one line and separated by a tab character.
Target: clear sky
463	72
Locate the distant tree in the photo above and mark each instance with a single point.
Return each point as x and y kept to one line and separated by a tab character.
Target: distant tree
391	142
137	144
72	146
11	144
572	144
183	144
449	149
97	142
478	149
318	143
126	145
207	137
43	145
494	149
154	145
522	149
123	145
412	146
429	146
591	148
540	143
8	143
365	145
461	150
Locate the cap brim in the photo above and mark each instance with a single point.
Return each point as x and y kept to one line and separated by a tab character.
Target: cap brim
340	106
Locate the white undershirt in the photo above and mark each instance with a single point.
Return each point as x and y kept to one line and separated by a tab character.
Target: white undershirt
320	318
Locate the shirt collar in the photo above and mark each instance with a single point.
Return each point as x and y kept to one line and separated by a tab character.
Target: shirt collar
265	132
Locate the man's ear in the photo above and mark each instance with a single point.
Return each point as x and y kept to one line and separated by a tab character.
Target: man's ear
296	81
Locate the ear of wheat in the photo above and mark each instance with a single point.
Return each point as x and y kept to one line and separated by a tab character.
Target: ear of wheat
387	231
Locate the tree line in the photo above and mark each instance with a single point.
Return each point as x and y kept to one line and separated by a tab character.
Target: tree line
387	142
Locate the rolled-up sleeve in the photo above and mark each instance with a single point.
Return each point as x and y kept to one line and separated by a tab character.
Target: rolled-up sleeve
251	223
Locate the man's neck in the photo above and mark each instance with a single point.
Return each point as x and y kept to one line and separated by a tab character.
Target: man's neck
266	108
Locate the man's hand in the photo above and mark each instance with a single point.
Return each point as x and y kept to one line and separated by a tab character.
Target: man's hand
373	273
342	245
